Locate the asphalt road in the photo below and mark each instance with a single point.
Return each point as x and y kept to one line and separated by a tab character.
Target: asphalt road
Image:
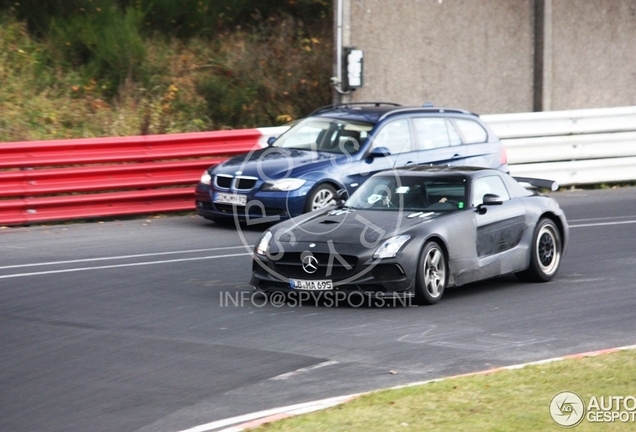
138	325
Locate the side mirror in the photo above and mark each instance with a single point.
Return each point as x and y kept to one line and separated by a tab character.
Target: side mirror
492	199
271	140
488	200
379	152
342	196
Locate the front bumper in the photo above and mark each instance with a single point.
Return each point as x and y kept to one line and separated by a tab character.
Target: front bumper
378	278
273	206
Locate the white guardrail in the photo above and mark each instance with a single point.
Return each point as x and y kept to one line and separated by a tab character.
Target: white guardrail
572	147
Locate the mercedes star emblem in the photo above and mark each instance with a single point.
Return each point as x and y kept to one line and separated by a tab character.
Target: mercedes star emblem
310	264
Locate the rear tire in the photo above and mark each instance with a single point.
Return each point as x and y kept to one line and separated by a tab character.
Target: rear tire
546	252
432	274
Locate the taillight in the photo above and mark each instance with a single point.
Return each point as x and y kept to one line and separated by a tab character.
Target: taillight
503	159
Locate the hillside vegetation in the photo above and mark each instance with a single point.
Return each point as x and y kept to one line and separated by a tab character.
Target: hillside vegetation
89	68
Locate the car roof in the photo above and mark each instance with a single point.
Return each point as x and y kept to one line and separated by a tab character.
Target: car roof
444	171
373	112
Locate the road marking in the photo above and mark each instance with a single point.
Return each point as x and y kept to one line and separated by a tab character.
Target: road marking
601	218
603	224
120	257
121	265
302	370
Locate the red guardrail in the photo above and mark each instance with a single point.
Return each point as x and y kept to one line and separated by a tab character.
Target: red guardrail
40	180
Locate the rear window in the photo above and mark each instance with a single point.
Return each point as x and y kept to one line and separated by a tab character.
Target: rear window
472	131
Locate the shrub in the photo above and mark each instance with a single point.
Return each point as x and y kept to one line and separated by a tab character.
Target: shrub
267	77
108	40
97	72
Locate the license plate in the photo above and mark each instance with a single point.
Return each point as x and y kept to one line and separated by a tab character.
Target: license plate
225	198
311	285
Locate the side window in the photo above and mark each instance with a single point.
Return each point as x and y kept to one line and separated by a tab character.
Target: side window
396	136
472	131
431	132
452	133
488	185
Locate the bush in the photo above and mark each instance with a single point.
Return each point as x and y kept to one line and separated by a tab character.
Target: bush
108	40
97	72
180	18
268	77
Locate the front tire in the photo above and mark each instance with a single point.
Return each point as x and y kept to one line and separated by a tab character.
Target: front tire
546	252
322	196
432	274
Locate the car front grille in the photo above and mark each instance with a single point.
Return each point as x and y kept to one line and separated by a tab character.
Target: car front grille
241	183
222	181
244	183
290	265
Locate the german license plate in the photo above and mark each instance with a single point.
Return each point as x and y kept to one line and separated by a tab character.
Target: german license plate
311	285
226	198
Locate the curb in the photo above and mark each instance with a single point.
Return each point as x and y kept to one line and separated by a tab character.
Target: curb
251	421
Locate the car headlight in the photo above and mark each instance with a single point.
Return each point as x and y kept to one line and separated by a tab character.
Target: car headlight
391	247
263	244
206	178
283	185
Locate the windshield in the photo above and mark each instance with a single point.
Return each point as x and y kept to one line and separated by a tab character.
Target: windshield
327	135
410	193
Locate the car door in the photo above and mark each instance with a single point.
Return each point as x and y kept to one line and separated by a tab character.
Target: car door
394	136
499	227
437	141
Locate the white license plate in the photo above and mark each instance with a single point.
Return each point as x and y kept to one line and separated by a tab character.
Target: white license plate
311	285
225	198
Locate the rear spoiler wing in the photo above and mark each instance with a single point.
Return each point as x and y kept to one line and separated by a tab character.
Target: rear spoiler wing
536	183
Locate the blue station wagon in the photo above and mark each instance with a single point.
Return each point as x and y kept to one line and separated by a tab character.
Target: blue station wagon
336	149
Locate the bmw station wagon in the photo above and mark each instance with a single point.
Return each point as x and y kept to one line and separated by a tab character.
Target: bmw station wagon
336	149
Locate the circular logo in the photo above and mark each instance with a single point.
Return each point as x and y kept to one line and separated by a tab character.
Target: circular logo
310	264
567	409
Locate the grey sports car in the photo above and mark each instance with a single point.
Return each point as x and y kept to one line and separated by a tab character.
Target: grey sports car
413	232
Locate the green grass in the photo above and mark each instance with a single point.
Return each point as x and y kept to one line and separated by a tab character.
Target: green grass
508	400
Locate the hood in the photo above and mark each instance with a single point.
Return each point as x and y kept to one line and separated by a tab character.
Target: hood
346	226
272	162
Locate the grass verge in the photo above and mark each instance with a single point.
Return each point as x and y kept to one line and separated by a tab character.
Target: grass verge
508	400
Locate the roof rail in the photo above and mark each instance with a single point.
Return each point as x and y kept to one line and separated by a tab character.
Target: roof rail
427	110
347	105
